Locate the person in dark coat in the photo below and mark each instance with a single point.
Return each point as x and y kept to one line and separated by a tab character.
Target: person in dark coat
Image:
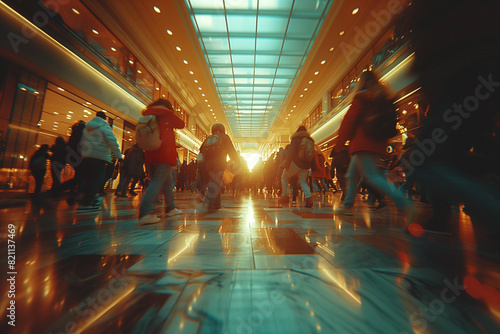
293	166
57	162
214	158
133	170
38	167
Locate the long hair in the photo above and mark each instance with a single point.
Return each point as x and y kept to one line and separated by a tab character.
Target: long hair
369	81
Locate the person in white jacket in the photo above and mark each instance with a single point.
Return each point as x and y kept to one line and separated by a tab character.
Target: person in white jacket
98	143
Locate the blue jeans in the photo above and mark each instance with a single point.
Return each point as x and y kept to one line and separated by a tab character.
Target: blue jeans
365	164
301	174
161	182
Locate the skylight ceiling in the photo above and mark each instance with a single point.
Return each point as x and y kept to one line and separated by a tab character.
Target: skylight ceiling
255	50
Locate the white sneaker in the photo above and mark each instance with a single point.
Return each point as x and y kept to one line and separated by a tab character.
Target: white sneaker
148	219
173	212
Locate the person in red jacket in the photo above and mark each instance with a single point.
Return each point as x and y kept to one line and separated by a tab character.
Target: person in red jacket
160	162
366	151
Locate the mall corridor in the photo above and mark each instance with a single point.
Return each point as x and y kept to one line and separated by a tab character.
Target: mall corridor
250	267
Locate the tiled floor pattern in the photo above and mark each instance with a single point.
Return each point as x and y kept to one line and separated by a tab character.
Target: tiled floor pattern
251	267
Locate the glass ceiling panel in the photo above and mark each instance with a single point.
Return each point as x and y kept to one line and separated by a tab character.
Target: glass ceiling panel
253	65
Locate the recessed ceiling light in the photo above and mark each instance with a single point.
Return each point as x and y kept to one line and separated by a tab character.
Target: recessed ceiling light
157	9
331	49
316	73
178	48
185	61
75	11
191	72
323	62
131	62
355	11
56	113
163	95
113	49
157	88
196	81
341	33
206	100
209	105
95	31
310	82
199	88
61	89
203	94
139	71
169	32
301	95
70	112
88	103
305	89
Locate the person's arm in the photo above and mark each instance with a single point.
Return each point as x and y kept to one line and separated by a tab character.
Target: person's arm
112	142
349	124
174	121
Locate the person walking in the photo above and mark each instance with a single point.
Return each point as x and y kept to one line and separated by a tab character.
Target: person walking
38	167
215	150
366	148
160	162
133	170
297	163
97	144
57	162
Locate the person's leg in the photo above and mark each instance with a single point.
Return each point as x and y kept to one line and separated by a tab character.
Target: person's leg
55	171
352	178
124	188
160	172
366	166
95	175
168	190
212	195
39	177
119	190
131	189
302	175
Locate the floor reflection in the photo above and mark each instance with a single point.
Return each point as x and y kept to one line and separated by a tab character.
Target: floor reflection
251	267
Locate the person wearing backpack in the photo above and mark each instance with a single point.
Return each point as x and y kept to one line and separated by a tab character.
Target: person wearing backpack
160	161
298	161
215	150
367	146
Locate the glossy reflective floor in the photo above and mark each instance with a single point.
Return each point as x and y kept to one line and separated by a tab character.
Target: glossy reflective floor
251	267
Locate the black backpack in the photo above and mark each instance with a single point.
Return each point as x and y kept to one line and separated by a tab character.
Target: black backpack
380	120
306	152
212	146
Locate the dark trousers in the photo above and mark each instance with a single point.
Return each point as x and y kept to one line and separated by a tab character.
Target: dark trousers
39	177
95	172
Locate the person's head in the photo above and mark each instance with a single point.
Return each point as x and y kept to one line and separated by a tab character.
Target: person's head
367	80
162	103
44	148
218	128
301	128
101	114
60	140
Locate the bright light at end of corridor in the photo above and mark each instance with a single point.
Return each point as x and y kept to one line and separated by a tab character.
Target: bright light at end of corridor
251	159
